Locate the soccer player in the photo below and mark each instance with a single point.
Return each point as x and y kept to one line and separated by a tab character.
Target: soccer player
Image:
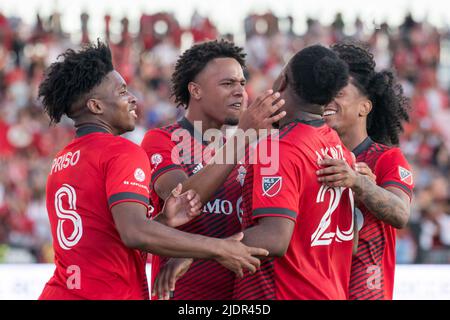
209	82
97	191
307	227
368	115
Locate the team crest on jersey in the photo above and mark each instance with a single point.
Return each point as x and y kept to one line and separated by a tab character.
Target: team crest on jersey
139	174
271	186
156	159
405	175
241	175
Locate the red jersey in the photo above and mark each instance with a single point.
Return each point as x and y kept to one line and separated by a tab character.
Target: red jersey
373	266
317	262
180	146
88	177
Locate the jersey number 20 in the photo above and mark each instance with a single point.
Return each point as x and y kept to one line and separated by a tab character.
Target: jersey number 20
320	237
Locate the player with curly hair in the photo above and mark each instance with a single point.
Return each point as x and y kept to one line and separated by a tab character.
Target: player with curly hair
306	227
368	115
209	82
97	191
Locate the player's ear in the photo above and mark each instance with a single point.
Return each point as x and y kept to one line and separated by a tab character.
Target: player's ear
95	106
281	83
195	90
365	108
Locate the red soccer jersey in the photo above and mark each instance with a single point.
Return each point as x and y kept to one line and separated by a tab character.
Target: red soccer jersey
317	262
180	146
373	266
88	177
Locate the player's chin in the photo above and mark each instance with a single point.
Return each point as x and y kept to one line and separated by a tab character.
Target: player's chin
331	121
231	120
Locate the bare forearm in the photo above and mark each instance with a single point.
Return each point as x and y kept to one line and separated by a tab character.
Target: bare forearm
383	204
271	233
156	238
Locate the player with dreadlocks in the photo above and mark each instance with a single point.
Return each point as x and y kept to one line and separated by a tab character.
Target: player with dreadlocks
209	82
97	191
368	115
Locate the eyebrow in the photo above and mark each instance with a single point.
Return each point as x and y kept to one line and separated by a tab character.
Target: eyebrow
233	79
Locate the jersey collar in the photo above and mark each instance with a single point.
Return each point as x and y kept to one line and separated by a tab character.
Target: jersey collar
315	123
84	130
363	146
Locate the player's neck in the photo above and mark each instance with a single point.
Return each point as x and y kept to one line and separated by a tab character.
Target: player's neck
299	115
206	121
354	137
102	125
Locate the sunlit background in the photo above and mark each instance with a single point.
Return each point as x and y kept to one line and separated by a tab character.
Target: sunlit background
146	37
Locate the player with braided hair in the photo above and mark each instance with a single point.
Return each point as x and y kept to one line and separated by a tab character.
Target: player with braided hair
368	115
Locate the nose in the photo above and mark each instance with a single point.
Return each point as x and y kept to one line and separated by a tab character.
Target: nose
239	90
132	99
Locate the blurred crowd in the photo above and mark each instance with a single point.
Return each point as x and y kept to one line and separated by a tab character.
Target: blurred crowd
419	52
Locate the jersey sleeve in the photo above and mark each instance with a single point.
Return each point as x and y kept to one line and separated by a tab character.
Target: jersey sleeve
393	170
276	194
127	174
162	153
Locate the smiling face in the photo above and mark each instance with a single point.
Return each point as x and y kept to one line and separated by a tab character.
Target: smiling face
119	104
219	90
348	109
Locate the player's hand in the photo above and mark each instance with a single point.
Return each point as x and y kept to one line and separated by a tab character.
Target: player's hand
180	208
168	275
260	114
236	256
363	168
336	173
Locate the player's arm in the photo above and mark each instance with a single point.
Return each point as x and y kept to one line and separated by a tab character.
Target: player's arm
271	233
389	204
212	176
138	232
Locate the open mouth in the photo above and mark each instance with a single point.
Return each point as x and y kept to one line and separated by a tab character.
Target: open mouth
133	112
327	113
236	106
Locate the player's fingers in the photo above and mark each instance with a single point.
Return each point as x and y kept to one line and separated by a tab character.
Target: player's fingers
331	178
248	266
177	191
239	272
155	289
165	288
277	117
329	162
254	262
238	236
329	170
258	252
261	98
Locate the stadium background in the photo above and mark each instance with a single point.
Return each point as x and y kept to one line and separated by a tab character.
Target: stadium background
146	38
